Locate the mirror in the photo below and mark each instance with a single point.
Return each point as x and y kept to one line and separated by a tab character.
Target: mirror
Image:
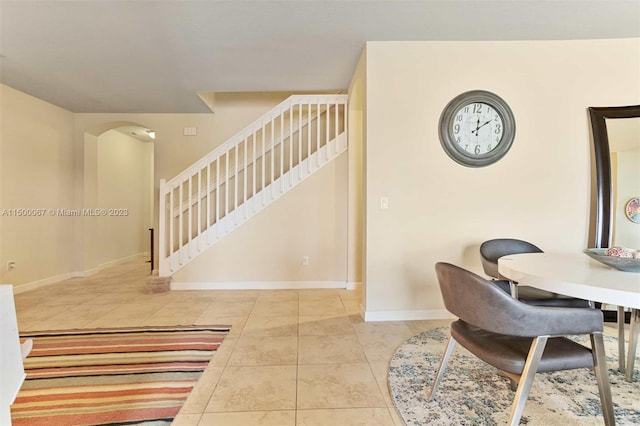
616	143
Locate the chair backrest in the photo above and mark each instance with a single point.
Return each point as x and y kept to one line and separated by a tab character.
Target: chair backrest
478	302
492	250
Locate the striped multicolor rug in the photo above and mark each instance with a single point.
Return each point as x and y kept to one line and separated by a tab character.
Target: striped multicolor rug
112	376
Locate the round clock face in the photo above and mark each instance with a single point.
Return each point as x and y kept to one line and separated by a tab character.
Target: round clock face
477	128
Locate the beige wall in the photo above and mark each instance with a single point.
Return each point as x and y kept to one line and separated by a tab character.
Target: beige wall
124	189
173	152
310	220
441	211
58	152
38	172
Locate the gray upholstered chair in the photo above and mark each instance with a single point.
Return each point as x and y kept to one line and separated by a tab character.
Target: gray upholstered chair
492	250
519	339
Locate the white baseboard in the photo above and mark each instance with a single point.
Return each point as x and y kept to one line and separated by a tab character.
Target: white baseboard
257	285
76	274
354	285
121	260
41	283
433	314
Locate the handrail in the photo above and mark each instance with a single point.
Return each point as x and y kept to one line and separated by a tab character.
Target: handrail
256	126
268	147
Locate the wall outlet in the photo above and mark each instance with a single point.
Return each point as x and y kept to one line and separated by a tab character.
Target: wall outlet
11	265
305	260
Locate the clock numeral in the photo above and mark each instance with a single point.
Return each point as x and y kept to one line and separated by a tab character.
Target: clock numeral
466	109
477	149
456	128
477	108
497	138
466	147
459	117
498	128
489	148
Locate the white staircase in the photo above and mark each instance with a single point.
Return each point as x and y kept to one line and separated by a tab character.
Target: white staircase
245	174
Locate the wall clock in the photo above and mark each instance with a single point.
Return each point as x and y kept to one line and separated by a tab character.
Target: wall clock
477	128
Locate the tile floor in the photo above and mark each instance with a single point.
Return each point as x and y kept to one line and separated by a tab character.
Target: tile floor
293	357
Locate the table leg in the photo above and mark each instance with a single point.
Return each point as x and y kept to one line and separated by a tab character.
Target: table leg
621	362
633	342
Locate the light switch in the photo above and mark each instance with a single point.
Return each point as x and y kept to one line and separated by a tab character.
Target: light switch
384	203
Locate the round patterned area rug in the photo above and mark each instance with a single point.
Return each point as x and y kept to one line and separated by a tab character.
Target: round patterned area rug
472	393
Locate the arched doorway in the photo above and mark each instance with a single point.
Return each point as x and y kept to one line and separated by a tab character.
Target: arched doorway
118	193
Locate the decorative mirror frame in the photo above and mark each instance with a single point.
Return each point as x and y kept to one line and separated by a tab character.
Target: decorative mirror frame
604	197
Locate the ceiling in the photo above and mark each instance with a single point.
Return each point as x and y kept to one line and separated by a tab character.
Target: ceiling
156	56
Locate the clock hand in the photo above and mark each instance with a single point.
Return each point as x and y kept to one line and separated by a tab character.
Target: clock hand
482	125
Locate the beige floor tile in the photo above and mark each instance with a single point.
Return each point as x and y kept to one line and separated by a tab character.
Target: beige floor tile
110	298
322	307
321	293
186	419
271	326
265	351
199	397
184	319
255	389
38	312
291	295
337	386
324	325
275	307
380	340
380	372
181	306
132	321
228	309
222	355
232	296
418	327
252	418
128	310
352	307
345	417
330	350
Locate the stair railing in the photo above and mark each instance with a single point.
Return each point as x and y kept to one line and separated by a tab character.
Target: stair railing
244	174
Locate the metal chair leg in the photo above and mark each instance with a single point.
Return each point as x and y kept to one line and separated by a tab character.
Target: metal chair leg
443	365
514	289
602	376
634	331
526	380
621	362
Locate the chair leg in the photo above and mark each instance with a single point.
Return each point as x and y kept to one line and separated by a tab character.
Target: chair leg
621	362
526	380
634	331
443	365
602	376
514	289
